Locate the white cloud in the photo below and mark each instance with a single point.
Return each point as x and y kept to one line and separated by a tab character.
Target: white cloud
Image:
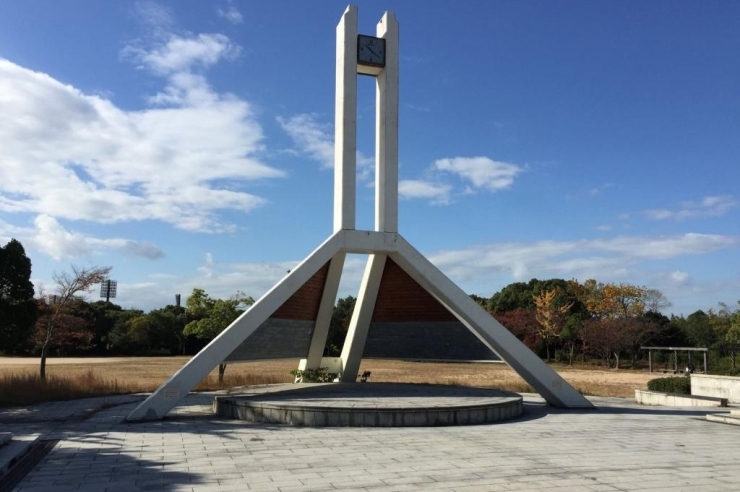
437	193
311	137
154	15
679	277
592	258
317	141
231	14
710	206
76	156
183	54
482	172
51	238
484	268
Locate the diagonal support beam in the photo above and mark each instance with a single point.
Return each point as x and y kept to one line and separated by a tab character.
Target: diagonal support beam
549	384
326	308
183	381
354	343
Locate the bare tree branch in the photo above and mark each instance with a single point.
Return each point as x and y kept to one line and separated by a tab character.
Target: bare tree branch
68	285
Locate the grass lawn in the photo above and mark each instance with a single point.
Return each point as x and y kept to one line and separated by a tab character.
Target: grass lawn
69	378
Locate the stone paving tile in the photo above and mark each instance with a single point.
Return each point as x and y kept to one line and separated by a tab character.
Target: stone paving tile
619	447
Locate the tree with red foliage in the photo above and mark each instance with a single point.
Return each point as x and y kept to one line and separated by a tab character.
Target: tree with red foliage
72	327
522	323
68	285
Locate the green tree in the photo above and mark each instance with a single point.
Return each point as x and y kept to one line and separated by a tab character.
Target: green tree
699	330
338	326
119	340
733	336
103	320
726	325
211	316
168	326
571	334
18	310
517	295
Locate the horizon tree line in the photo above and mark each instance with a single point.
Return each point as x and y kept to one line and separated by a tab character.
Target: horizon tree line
558	319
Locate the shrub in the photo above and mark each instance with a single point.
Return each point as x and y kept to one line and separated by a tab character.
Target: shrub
679	385
318	375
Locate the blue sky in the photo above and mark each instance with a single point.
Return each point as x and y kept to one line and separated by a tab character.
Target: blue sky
189	144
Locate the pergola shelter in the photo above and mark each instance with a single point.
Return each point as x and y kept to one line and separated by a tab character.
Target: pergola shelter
675	351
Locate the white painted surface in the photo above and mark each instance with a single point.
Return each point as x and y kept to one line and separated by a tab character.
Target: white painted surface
670	400
326	308
354	344
345	122
717	386
386	130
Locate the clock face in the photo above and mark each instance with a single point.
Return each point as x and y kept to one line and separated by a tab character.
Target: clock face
371	51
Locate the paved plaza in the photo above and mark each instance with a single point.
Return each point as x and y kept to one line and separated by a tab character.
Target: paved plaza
617	447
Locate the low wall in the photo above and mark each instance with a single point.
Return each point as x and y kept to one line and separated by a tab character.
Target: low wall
675	400
717	386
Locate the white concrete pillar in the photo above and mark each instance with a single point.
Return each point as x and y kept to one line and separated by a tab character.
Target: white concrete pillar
354	344
326	308
386	130
345	122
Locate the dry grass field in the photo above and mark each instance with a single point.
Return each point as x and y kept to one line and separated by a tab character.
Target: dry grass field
80	377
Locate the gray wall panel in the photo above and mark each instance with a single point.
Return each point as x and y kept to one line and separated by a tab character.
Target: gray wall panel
275	339
449	340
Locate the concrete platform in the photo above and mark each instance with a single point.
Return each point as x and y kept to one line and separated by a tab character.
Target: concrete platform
677	400
732	418
13	450
369	405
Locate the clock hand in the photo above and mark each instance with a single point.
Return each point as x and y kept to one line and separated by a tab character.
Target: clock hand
371	51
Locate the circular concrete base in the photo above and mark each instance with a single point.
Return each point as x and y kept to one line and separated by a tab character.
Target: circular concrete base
369	405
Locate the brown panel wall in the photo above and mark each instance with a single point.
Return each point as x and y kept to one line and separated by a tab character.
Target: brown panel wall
304	304
400	298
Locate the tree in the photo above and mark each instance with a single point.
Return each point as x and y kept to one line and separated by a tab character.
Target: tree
640	331
18	310
610	301
120	339
513	296
606	338
104	316
733	336
655	301
699	330
551	315
73	330
726	325
571	334
340	319
522	323
168	326
212	316
68	285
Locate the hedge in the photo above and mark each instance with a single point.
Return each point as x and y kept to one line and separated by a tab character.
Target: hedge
679	385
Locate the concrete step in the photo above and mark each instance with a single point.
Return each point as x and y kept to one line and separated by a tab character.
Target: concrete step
732	418
14	450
